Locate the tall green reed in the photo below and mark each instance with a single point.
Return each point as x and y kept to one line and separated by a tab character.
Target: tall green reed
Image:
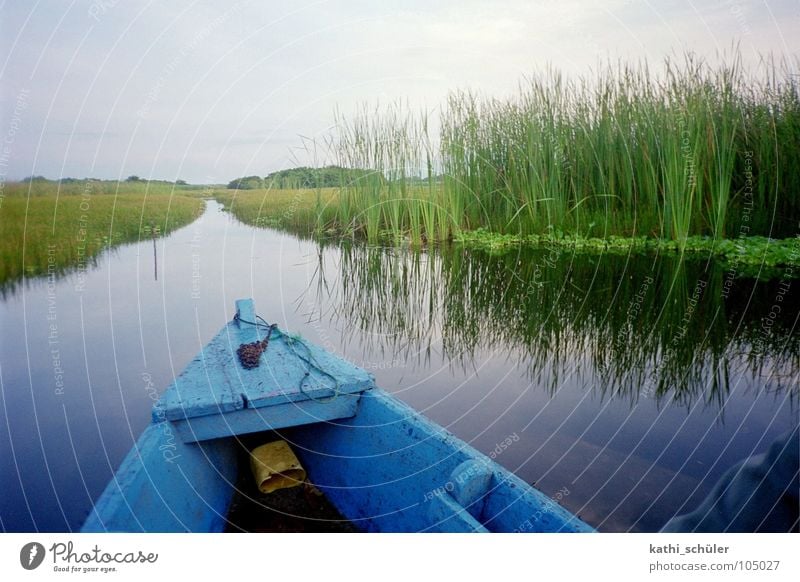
692	150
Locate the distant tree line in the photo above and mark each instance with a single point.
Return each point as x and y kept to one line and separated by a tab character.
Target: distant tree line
80	180
303	177
246	183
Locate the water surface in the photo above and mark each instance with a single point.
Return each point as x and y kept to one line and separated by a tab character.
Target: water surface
631	383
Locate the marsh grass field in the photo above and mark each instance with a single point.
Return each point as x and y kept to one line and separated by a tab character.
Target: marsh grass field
49	226
688	158
303	211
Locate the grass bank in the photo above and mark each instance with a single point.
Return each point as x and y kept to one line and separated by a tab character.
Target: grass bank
302	211
47	227
314	212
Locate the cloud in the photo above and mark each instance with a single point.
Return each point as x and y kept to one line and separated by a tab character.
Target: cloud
175	85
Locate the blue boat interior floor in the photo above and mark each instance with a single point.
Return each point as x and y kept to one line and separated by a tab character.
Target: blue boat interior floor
302	509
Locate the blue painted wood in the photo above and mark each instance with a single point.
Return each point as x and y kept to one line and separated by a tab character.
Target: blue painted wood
448	516
246	310
281	377
471	483
164	485
205	387
384	467
259	419
216	383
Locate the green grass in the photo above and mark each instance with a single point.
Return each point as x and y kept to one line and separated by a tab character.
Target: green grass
309	212
73	187
47	228
692	150
300	211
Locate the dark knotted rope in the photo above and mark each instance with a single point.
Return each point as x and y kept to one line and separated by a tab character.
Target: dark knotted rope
250	355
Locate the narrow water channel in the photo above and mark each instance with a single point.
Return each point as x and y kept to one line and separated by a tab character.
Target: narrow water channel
622	386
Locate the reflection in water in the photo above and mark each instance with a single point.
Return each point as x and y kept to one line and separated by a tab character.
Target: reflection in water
85	353
640	324
576	360
631	382
155	259
83	266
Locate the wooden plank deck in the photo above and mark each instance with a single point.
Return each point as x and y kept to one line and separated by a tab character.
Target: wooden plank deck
295	383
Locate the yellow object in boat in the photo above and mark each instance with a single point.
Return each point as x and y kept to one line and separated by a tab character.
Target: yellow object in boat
275	466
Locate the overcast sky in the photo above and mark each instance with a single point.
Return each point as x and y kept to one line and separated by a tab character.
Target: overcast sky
208	91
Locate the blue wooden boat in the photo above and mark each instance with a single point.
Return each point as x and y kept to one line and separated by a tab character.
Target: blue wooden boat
383	466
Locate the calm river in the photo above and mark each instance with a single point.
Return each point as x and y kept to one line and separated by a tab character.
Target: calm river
626	385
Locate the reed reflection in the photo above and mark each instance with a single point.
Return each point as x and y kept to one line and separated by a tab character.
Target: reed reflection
660	326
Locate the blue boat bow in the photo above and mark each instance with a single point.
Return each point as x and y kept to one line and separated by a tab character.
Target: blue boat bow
383	466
